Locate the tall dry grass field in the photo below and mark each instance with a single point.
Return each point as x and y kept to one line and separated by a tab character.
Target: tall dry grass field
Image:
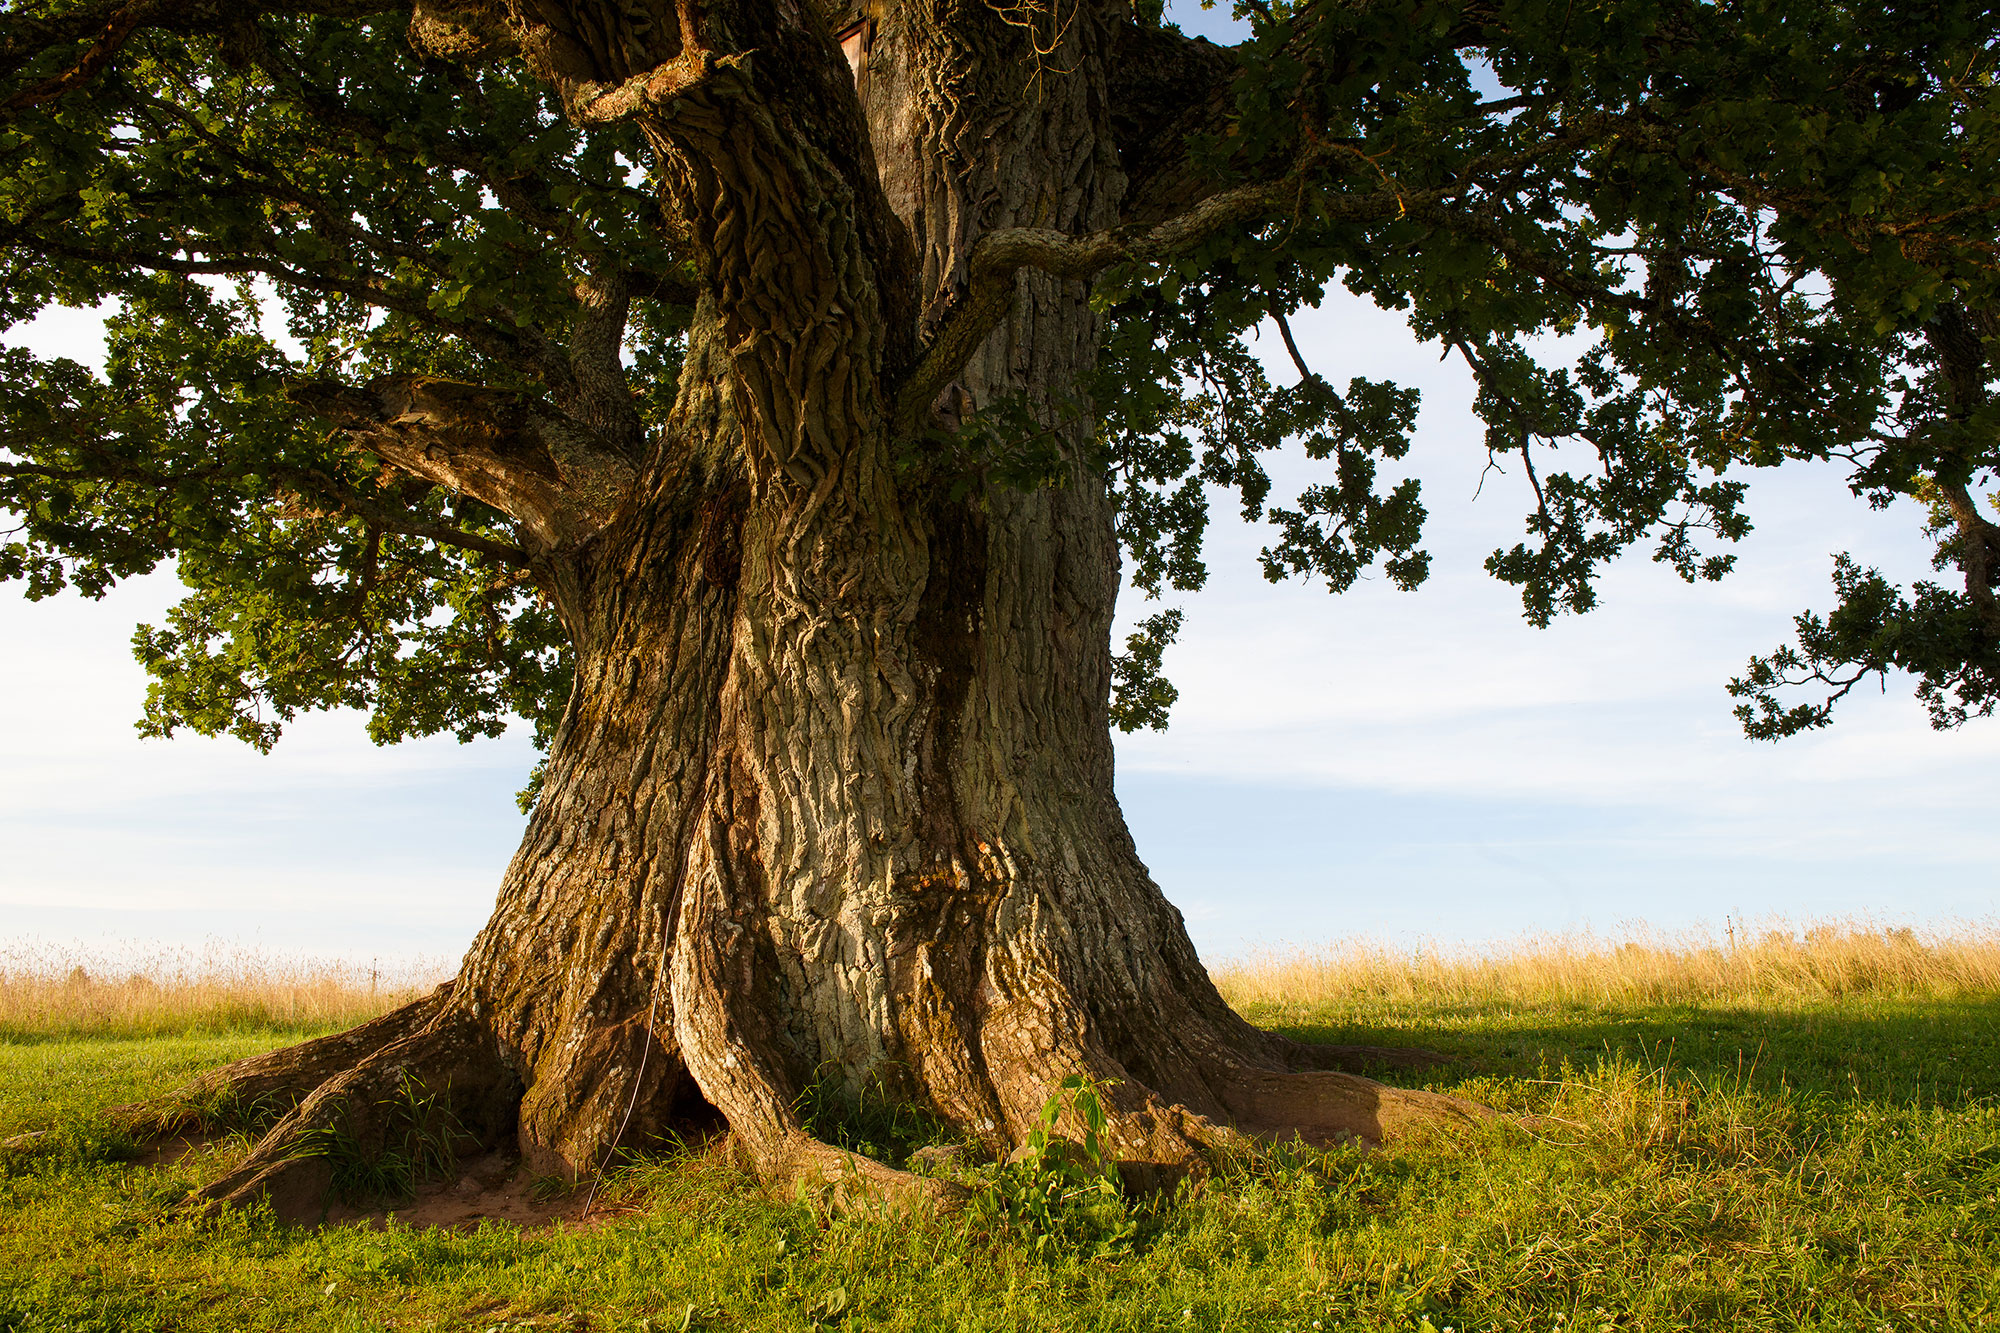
52	991
1775	962
61	991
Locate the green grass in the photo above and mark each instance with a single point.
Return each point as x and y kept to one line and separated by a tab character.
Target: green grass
1824	1164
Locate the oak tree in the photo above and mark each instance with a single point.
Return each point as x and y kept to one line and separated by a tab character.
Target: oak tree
765	398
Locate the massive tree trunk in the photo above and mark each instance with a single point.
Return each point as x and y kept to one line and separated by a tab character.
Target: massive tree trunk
832	802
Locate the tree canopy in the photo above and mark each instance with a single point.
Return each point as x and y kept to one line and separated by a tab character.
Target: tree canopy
1771	224
758	394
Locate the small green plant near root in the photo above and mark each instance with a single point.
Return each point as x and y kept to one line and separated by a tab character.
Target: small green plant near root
1060	1194
421	1143
831	1307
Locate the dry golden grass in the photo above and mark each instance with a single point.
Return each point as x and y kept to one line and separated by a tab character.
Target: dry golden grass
1776	961
49	991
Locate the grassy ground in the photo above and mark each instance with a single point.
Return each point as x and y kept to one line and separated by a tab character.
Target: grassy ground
1749	1151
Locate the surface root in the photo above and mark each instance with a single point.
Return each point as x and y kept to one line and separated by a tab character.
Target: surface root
381	1125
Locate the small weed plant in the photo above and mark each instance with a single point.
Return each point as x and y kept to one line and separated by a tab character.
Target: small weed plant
1059	1193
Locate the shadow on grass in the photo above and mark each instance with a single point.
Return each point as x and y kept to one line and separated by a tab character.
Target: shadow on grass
1847	1051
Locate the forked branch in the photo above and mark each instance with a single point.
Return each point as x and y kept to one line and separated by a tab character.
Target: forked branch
1002	254
606	104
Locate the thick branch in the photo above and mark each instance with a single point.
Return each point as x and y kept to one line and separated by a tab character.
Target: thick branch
1165	89
598	389
608	104
550	474
1978	553
1961	356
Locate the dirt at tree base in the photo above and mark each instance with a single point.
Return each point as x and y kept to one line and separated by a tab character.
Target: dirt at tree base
495	1187
489	1187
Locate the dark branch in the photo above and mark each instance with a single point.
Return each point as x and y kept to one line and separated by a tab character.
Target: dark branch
1291	347
122	24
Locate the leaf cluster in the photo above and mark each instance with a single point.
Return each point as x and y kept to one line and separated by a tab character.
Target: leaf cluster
300	200
1672	243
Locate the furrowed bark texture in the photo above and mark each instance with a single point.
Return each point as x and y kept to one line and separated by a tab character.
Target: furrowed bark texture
832	803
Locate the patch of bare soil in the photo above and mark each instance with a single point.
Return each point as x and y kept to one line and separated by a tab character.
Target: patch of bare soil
493	1188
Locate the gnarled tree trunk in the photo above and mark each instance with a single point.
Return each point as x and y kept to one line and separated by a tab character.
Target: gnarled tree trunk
832	802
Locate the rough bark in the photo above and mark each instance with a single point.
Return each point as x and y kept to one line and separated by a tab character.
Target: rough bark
832	802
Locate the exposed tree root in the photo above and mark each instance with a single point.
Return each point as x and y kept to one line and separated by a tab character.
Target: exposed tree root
1303	1056
442	1083
844	1181
1323	1107
276	1080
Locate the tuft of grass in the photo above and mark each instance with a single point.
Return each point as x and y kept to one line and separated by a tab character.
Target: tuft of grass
50	992
421	1143
874	1121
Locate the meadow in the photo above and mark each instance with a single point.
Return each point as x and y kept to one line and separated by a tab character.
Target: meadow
1771	1129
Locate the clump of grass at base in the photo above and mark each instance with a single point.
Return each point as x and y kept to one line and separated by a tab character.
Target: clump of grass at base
419	1143
873	1122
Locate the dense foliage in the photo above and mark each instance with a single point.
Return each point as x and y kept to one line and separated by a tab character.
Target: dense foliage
1771	223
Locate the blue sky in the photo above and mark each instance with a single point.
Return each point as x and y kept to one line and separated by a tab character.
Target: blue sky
1411	764
1405	766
